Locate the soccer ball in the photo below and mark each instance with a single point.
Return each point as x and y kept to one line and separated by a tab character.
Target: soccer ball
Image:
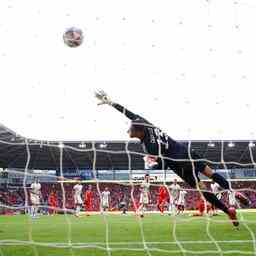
73	37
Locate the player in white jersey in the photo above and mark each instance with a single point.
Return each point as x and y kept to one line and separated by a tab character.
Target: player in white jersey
181	201
144	195
35	193
105	195
216	190
77	197
174	196
232	199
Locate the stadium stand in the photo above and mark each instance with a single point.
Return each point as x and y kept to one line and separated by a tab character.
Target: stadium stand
16	197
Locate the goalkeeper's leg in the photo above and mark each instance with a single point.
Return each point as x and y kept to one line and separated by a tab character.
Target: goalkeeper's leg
190	175
223	183
231	212
193	180
211	198
207	171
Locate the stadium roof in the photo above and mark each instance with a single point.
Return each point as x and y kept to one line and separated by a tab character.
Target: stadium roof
17	152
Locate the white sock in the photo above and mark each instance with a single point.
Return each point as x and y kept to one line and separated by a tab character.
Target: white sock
172	208
32	211
78	208
35	210
140	209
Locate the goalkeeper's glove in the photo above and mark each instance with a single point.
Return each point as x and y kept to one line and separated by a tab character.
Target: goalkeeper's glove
102	97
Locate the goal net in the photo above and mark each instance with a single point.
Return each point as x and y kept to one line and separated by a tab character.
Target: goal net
118	229
187	65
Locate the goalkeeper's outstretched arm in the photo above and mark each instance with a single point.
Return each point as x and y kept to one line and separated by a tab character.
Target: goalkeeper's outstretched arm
104	99
138	128
125	111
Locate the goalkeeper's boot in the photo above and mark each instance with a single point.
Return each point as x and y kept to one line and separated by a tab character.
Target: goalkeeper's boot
232	216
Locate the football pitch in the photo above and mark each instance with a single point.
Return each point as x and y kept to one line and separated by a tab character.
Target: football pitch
118	235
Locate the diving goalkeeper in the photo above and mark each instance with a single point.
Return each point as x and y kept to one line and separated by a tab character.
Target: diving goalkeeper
172	154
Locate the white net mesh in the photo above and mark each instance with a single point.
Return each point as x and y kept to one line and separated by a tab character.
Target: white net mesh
109	232
181	57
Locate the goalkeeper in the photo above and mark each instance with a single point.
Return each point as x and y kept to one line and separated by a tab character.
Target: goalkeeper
172	154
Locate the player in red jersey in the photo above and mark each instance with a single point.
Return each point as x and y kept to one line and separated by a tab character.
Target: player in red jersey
161	198
135	204
200	206
52	202
88	199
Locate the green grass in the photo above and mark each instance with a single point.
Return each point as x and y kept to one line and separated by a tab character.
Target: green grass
43	236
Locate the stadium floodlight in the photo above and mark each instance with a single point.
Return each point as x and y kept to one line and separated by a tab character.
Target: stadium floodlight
251	144
231	144
103	145
211	144
61	145
82	145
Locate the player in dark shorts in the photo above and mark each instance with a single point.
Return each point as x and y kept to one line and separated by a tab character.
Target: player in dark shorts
172	154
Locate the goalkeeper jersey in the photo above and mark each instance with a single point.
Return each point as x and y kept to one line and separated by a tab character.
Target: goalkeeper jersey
155	142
